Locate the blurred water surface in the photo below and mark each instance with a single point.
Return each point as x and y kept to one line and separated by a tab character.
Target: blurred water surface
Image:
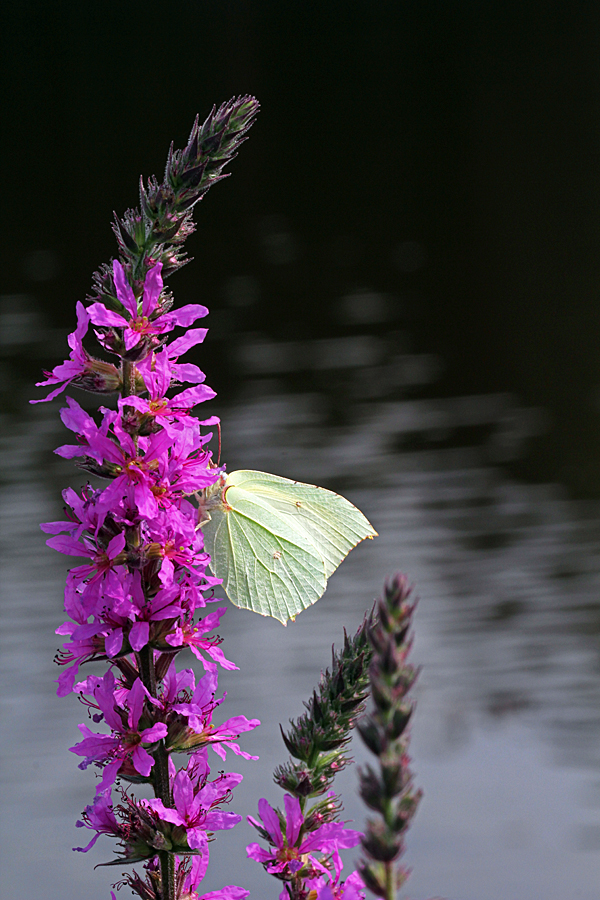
506	739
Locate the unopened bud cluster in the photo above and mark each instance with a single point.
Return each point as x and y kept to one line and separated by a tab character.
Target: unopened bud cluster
388	789
318	738
155	233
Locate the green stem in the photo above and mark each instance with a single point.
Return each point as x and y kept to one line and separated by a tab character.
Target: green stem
390	893
128	379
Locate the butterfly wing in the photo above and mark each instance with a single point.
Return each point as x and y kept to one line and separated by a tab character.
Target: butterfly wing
330	522
266	565
275	542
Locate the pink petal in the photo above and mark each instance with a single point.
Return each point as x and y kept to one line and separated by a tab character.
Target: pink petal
113	642
156	733
100	315
135	701
153	285
142	761
139	634
116	545
124	290
217	820
294	819
66	544
255	851
190	397
196	838
271	820
229	892
182	344
183	793
166	813
217	654
187	315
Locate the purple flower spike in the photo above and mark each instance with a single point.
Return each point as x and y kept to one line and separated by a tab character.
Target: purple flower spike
133	600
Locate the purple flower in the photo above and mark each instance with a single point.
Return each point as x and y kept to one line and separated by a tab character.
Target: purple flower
78	363
327	887
125	741
87	643
142	322
100	818
161	408
133	466
82	514
194	808
160	467
294	850
193	636
200	731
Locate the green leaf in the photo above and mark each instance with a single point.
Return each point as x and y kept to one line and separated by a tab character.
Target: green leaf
275	542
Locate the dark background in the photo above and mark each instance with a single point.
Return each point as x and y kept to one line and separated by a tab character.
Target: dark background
445	153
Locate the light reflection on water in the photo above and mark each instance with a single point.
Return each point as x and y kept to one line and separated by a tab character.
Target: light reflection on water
507	735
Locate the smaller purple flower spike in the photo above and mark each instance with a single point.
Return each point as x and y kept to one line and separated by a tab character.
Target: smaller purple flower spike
295	850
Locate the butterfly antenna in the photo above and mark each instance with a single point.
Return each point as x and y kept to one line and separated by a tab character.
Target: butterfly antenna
219	453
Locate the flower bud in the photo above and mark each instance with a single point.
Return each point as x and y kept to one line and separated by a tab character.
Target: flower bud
380	842
99	377
400	719
374	876
405	810
373	736
372	790
297	780
299	746
326	810
394	775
